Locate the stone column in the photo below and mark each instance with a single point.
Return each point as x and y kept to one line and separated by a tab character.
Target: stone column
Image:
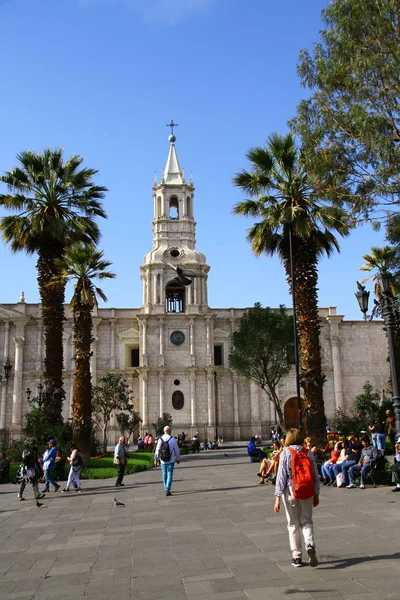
334	336
93	360
16	420
161	335
4	387
112	343
66	353
208	340
161	377
192	343
210	404
195	294
39	350
236	421
144	342
144	378
193	398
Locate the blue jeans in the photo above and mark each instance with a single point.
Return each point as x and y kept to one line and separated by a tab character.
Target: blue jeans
381	441
327	471
167	472
375	440
364	472
344	467
48	479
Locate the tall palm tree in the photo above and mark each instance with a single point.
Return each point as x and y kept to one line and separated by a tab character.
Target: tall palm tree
83	263
56	204
283	198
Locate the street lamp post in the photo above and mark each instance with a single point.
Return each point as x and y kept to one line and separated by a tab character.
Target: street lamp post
7	366
36	399
386	308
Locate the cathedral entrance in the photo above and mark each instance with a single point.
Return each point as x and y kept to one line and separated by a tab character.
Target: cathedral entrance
291	414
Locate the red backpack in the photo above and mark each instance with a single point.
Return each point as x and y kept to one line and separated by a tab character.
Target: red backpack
302	474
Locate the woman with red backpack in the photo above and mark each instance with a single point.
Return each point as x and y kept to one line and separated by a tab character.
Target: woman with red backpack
297	483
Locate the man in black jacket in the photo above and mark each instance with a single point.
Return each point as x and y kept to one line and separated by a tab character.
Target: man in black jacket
29	470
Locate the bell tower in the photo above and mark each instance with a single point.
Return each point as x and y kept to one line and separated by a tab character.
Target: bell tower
174	241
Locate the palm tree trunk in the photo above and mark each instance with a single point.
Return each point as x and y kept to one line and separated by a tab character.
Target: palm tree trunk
82	393
52	298
308	327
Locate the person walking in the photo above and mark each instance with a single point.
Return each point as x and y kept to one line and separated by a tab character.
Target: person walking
167	452
30	470
297	483
49	464
120	459
76	463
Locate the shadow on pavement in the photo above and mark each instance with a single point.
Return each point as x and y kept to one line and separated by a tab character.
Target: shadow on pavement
343	563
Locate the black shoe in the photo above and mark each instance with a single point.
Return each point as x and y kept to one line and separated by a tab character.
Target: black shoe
312	557
168	493
117	485
259	475
296	562
334	484
326	481
396	489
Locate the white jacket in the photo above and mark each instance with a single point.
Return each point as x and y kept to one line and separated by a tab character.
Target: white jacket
173	446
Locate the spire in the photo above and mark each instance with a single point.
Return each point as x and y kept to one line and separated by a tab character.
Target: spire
173	173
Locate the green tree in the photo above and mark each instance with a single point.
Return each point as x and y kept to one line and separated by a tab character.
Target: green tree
128	422
350	125
110	394
56	203
284	201
260	349
83	263
367	403
162	422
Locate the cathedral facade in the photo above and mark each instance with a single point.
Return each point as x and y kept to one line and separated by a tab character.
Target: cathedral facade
173	350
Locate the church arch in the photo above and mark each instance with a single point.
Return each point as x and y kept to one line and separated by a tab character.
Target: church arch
174	297
178	400
173	208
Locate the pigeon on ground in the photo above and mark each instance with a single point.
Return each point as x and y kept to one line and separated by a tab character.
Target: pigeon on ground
117	503
39	504
226	454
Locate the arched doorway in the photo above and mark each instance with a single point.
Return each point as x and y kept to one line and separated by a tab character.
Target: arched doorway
291	413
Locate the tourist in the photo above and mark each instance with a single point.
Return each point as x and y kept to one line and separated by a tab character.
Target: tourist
298	512
196	442
140	444
76	463
253	451
390	426
396	467
29	470
120	459
167	452
270	465
220	440
205	445
353	452
4	468
49	464
368	454
326	468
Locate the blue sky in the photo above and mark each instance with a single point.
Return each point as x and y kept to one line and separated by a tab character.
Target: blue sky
101	78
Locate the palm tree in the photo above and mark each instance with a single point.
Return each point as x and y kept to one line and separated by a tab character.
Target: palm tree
56	204
282	196
83	263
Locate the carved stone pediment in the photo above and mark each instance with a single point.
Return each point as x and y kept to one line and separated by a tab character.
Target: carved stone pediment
129	335
220	333
10	314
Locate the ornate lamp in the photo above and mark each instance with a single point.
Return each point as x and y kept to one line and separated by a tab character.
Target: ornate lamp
362	298
7	366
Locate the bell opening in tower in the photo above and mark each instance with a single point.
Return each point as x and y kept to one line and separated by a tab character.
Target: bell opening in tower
174	209
175	297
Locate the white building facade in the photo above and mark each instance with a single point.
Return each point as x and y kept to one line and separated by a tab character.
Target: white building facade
173	351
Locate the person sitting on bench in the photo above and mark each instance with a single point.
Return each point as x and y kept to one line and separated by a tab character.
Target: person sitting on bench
253	451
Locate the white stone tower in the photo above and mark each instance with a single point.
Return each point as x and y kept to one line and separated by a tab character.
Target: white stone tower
174	243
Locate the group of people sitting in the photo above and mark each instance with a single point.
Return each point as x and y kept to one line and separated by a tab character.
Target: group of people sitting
349	457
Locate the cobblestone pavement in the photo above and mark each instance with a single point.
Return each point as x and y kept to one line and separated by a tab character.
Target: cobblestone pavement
216	538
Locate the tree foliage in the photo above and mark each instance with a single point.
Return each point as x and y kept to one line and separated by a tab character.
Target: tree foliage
111	393
163	421
350	125
128	422
261	347
284	200
56	204
367	403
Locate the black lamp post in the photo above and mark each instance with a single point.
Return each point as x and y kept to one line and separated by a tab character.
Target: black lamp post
7	366
36	399
386	308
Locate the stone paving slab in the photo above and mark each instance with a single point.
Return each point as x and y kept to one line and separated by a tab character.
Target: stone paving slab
216	538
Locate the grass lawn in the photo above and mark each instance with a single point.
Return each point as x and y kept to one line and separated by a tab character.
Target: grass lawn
104	468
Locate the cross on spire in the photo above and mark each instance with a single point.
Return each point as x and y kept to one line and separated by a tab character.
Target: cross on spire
172	125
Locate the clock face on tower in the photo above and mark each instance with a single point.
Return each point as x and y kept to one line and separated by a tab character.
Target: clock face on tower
177	338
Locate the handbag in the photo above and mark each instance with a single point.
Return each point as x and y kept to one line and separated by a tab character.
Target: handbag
339	480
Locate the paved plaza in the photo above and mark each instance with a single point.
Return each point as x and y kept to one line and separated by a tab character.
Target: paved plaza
216	538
